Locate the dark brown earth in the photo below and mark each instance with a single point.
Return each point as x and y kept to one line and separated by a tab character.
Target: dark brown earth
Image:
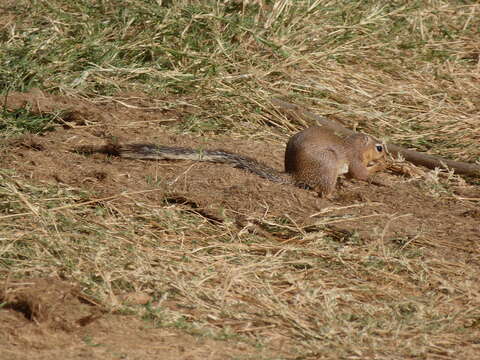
49	317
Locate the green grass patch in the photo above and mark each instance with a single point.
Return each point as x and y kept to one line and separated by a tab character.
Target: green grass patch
23	120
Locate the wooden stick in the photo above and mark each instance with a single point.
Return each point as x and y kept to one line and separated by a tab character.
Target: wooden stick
418	158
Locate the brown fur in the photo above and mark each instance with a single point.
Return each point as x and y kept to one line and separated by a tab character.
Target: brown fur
315	157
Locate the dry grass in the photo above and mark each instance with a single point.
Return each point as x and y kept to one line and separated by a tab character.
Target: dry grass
408	71
324	294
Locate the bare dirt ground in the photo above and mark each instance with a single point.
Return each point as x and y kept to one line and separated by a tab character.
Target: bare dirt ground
52	319
214	187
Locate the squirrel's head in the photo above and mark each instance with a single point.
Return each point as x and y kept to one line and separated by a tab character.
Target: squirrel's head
374	152
368	149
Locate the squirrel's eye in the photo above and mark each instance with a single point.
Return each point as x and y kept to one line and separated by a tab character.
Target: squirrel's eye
379	147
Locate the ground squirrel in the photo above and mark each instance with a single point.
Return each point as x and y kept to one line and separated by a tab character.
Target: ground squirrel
314	158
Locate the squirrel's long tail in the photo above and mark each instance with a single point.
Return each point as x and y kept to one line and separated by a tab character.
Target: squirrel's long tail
159	152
